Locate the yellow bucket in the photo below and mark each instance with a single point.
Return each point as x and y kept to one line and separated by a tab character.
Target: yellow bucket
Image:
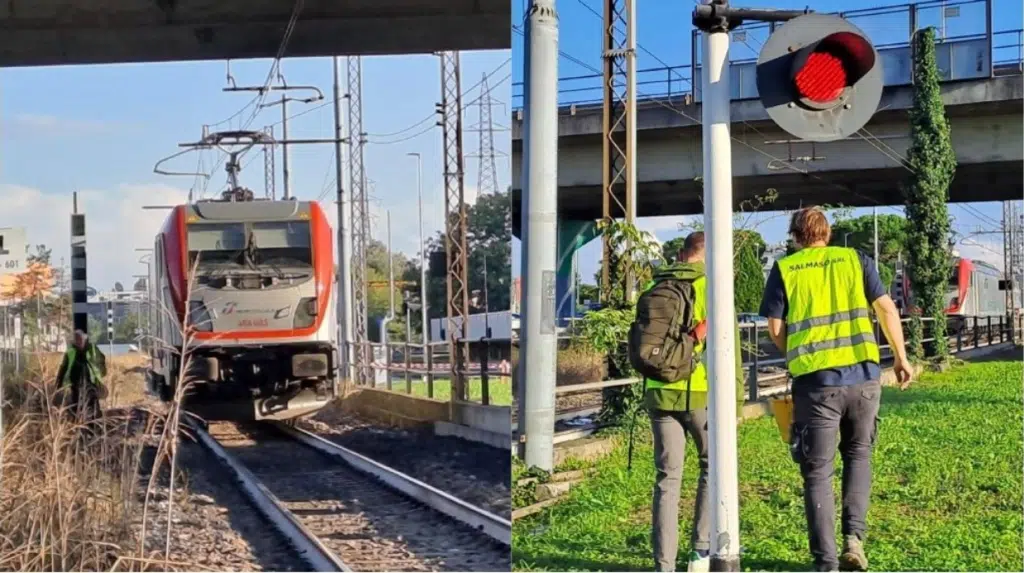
782	409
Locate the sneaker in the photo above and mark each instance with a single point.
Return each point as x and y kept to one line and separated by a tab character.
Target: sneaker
853	557
700	561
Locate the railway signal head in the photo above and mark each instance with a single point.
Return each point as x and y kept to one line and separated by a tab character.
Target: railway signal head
819	77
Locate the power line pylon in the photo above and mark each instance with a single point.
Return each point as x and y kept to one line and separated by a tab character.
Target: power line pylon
487	176
360	220
455	221
618	184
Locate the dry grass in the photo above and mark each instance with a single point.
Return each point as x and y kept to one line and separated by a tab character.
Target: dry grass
576	365
70	491
579	366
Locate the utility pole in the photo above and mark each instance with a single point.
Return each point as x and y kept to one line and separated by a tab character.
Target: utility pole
423	253
618	126
1007	242
360	217
344	239
487	175
540	235
391	292
456	249
724	480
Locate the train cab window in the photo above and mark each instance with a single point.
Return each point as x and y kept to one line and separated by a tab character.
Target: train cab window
216	244
283	243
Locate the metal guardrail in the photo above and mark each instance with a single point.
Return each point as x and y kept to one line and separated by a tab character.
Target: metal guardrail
969	51
415	364
983	331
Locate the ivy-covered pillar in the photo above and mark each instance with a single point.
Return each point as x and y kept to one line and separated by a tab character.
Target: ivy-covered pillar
932	164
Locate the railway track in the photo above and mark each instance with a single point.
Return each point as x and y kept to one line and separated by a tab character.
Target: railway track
342	511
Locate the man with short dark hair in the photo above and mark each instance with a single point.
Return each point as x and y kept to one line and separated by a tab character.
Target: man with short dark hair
677	409
81	375
817	303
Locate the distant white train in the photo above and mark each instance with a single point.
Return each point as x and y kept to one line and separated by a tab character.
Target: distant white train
973	290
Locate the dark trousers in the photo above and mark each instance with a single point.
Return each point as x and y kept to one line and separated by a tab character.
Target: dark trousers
819	415
84	401
670	429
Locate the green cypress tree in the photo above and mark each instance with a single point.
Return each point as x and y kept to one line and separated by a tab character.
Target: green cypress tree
932	164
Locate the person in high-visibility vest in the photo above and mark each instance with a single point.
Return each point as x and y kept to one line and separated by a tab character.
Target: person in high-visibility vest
81	375
677	409
818	302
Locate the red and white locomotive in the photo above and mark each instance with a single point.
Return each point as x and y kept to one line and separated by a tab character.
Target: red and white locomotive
973	290
244	289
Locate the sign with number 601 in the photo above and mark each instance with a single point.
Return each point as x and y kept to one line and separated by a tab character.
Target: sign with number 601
12	250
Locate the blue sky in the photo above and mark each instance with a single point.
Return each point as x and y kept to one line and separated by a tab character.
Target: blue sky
664	39
101	129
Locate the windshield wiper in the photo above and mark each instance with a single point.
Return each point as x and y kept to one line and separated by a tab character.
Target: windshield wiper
252	254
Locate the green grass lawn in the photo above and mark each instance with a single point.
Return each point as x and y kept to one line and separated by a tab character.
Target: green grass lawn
499	388
946	496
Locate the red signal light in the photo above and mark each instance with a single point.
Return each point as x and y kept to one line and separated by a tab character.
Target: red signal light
830	66
822	79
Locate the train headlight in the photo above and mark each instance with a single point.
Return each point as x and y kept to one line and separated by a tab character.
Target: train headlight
305	313
199	317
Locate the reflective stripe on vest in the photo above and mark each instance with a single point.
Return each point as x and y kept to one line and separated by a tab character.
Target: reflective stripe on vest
828	324
95	377
698	381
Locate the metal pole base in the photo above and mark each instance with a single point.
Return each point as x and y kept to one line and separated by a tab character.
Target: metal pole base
725	563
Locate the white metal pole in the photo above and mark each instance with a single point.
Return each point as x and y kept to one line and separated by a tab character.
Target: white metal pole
725	517
874	214
344	301
284	148
423	253
391	290
540	234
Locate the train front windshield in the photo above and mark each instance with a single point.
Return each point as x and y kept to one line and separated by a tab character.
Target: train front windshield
239	246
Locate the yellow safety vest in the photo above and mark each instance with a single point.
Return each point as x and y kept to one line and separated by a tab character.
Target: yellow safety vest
828	324
90	355
698	381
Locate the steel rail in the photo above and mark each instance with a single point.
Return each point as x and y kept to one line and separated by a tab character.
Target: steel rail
304	542
493	526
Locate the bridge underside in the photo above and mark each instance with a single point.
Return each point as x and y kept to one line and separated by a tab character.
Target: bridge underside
990	181
61	32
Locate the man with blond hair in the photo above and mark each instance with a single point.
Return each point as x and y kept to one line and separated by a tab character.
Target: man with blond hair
817	303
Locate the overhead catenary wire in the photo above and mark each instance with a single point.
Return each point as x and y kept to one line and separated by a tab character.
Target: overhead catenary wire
432	116
262	93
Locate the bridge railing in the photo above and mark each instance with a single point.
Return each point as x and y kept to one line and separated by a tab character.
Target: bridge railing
967	48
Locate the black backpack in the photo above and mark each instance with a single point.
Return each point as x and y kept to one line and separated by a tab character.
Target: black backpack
660	345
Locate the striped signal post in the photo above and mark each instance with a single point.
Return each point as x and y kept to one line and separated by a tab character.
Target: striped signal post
110	326
79	295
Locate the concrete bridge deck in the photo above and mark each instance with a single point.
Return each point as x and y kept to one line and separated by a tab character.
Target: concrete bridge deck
61	32
985	117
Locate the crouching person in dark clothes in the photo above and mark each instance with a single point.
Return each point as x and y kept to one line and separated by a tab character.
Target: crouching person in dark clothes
818	302
81	377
